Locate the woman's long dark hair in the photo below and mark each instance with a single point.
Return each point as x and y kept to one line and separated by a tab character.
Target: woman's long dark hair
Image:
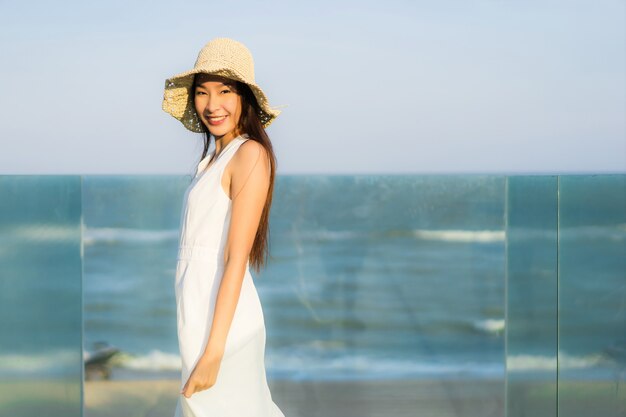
250	123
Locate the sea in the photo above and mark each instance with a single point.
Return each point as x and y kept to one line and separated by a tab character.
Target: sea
369	277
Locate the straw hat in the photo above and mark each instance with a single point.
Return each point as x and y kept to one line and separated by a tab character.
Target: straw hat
221	56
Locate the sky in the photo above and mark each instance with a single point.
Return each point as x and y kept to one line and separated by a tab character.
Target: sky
394	87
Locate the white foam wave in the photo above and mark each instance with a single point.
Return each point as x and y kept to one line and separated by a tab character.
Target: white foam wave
332	235
360	366
155	360
425	234
490	325
303	362
308	361
615	232
547	363
43	232
461	235
38	363
112	234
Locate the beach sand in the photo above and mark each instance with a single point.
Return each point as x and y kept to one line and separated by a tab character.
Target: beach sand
40	397
585	398
397	398
391	398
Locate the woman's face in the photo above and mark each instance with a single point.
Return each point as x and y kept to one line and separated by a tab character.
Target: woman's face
218	105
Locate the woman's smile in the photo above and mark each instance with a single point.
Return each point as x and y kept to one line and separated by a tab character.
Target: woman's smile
217	120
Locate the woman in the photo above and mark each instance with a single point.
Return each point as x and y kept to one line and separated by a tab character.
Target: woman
224	228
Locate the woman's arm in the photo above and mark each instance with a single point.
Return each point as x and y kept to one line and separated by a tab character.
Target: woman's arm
250	180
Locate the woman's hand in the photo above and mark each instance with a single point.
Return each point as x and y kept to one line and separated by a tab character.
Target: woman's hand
203	376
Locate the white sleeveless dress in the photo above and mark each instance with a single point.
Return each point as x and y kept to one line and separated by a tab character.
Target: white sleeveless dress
241	389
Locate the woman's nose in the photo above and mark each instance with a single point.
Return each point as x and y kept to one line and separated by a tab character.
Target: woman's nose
212	104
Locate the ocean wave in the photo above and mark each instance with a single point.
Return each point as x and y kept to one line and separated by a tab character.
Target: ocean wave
360	366
93	235
297	364
611	232
548	363
310	362
300	364
461	235
42	232
155	360
330	235
489	325
50	362
615	232
452	235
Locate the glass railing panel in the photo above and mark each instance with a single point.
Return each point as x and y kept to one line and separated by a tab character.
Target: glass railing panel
531	301
592	295
40	296
130	242
384	294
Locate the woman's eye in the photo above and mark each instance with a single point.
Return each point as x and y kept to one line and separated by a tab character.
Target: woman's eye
225	91
199	92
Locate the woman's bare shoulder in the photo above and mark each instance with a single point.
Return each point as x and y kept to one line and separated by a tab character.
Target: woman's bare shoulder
250	155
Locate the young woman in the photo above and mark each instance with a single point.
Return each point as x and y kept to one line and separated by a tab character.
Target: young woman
224	229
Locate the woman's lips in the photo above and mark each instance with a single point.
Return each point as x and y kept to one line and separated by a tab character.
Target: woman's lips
215	122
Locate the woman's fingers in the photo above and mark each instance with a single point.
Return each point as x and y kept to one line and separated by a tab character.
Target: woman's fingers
203	377
189	389
192	387
185	388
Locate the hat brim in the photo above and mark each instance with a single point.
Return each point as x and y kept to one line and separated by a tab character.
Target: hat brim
178	101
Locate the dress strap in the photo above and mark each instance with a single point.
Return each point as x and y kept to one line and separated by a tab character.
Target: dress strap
224	155
227	154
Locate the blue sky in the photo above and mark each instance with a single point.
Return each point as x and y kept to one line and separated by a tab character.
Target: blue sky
369	87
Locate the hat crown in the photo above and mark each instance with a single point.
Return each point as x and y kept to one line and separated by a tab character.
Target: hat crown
226	54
